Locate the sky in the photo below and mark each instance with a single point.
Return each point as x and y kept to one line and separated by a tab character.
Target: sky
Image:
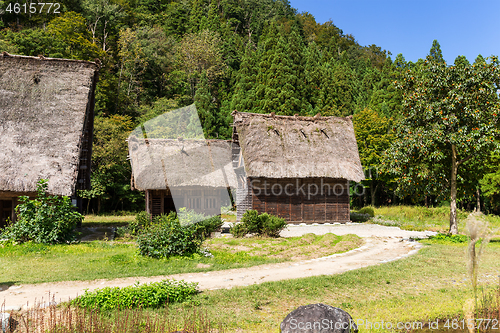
461	27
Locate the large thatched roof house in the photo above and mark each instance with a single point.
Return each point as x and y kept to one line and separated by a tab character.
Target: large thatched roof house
175	173
46	123
297	168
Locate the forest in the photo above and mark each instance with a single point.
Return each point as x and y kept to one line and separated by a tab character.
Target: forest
427	131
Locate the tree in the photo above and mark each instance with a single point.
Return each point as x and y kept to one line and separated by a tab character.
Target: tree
198	52
373	137
100	15
207	110
109	161
450	117
435	53
278	87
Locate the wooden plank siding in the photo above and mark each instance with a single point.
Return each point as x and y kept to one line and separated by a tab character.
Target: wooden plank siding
205	200
307	200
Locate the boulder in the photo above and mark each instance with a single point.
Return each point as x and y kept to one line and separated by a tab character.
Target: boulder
318	318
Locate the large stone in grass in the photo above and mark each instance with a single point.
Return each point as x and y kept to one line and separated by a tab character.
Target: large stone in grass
318	318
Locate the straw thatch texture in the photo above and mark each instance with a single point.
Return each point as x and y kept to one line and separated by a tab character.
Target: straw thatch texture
161	163
44	106
298	147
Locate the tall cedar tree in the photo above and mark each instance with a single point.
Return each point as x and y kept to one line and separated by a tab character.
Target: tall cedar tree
207	110
244	92
450	117
275	89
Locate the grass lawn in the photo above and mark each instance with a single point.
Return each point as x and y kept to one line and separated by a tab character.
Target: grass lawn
422	218
91	220
429	285
36	263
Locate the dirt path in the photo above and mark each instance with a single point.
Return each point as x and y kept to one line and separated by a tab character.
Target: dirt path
375	250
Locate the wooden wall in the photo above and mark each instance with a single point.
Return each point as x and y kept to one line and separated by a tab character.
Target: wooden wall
206	200
306	200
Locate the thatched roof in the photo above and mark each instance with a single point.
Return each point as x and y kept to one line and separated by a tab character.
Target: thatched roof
161	163
44	105
298	147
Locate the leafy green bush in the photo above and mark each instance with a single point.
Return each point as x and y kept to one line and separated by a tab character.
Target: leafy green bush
447	238
367	210
142	220
46	219
207	226
166	237
153	295
359	217
263	224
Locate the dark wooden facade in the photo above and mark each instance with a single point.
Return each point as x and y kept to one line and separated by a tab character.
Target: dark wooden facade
306	200
201	199
8	201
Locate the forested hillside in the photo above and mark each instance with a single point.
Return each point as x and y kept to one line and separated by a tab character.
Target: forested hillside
249	55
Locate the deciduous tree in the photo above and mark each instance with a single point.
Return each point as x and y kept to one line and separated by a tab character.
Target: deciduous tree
450	116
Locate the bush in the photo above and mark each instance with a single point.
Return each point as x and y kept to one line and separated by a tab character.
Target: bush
447	238
46	219
153	295
166	237
142	221
358	217
263	224
206	227
367	210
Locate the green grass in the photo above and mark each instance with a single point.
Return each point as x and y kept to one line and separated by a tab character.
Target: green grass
422	218
306	247
91	220
37	263
431	284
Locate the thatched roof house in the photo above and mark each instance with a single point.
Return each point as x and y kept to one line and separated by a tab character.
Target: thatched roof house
192	173
46	123
293	154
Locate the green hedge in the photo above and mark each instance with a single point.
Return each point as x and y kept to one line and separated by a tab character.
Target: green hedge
153	295
263	224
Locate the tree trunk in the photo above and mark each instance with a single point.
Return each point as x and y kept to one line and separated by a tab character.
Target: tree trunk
478	202
373	192
453	199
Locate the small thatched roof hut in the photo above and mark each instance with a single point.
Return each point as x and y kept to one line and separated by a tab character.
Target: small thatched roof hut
46	122
181	170
293	152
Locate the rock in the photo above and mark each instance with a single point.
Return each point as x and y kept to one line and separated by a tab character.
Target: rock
318	318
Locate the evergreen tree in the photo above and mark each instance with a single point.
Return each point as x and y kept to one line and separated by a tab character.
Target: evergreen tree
336	96
435	52
207	110
313	75
244	98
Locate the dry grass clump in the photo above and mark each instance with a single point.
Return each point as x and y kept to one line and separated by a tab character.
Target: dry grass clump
479	232
70	319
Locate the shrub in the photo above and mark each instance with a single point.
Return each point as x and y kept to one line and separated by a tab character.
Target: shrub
263	224
358	217
207	226
46	219
447	238
272	225
367	210
142	220
166	237
153	295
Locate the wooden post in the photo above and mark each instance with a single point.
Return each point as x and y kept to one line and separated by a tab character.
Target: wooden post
148	196
13	216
